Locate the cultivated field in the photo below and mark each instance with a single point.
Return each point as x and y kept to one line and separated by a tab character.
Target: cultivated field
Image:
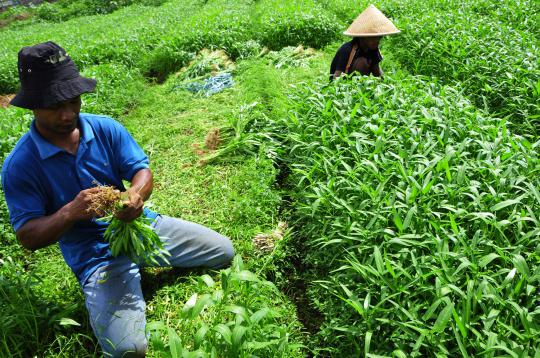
395	217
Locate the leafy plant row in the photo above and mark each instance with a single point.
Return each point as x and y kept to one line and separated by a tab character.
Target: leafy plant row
132	36
62	10
419	215
230	319
487	48
66	9
482	49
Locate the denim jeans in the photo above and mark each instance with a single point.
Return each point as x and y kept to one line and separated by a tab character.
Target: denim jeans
113	292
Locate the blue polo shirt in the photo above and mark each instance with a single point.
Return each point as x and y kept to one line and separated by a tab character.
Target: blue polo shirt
38	178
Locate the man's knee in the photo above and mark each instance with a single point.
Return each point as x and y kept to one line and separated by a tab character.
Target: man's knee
227	253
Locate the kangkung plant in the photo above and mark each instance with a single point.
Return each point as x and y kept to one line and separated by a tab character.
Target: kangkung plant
420	217
136	239
494	59
227	321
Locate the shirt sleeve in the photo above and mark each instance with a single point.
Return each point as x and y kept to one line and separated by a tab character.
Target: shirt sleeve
130	157
341	58
24	198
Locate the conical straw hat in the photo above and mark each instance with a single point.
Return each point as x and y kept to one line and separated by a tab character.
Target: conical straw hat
371	22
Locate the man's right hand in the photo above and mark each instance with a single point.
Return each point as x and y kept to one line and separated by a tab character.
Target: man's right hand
79	208
47	230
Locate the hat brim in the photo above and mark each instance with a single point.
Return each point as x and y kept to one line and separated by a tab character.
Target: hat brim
55	93
346	33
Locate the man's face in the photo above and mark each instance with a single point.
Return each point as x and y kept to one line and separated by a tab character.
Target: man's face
60	118
372	42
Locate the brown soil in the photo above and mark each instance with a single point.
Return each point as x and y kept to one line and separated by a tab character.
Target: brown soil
17	17
22	16
4	100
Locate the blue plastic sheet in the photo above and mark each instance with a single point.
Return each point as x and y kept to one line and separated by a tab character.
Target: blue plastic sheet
209	86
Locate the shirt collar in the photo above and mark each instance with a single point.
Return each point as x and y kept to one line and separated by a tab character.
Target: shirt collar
47	149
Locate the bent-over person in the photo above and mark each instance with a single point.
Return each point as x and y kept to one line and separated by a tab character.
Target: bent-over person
361	54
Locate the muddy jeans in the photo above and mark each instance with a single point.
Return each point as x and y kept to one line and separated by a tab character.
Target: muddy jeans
113	293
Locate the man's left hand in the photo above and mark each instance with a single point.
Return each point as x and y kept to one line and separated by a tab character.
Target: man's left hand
133	206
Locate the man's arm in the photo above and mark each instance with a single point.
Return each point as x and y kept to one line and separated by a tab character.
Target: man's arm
47	230
340	61
142	184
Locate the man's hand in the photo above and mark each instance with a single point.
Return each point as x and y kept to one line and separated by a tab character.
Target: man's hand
46	230
133	206
79	208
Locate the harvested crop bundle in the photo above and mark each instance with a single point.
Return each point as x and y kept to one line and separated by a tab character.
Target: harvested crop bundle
266	243
213	139
135	239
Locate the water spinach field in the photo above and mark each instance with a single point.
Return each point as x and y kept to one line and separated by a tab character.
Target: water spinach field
395	217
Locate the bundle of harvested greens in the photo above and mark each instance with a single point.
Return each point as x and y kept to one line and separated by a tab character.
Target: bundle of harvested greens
135	239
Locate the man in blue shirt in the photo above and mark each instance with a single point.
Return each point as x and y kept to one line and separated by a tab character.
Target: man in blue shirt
48	180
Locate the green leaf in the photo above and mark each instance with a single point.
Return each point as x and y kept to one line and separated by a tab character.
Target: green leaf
156	326
199	336
510	276
259	345
398	222
490	319
202	302
389	267
443	318
379	262
224	280
68	322
367	342
237	335
485	260
521	265
245	275
175	343
209	281
460	324
237	263
238	310
188	306
431	309
460	344
260	314
224	331
504	204
408	217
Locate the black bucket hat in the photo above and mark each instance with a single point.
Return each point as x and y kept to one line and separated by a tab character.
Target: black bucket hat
48	76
